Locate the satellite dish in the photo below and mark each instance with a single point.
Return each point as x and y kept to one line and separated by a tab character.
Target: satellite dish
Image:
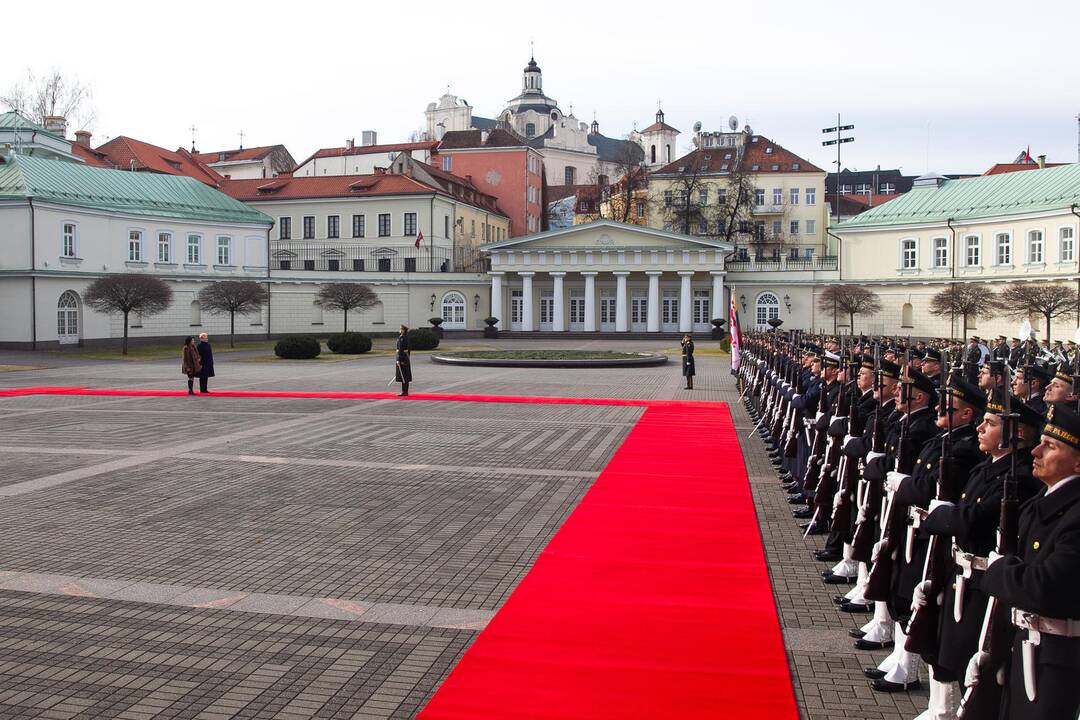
733	122
697	126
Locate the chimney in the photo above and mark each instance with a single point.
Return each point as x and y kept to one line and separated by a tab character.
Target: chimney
82	137
483	136
350	143
380	171
367	138
56	124
1042	161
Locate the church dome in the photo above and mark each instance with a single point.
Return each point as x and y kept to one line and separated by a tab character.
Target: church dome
532	66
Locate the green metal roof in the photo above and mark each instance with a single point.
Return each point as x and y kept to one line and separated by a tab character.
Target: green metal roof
12	120
1015	193
121	191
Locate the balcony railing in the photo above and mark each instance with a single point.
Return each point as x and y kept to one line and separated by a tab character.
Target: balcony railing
784	263
375	258
768	210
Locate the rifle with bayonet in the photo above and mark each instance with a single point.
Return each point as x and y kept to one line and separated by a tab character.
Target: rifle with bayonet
868	496
794	421
823	494
849	467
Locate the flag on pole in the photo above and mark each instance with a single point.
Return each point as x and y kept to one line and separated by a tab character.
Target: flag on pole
736	337
419	237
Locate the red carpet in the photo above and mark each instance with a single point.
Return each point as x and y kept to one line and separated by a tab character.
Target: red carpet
651	601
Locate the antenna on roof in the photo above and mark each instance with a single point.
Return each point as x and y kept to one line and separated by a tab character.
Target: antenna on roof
192	129
241	134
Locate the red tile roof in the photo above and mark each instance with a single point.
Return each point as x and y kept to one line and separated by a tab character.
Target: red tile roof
127	153
369	150
1002	168
757	151
254	153
499	137
90	156
657	126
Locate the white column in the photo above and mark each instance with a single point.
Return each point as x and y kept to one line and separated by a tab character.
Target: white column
558	323
653	320
590	301
496	297
686	305
620	301
527	301
719	309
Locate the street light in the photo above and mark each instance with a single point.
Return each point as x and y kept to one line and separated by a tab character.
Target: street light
433	302
476	302
838	142
742	301
787	301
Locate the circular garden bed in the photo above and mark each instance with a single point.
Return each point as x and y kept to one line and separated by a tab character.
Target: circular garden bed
550	358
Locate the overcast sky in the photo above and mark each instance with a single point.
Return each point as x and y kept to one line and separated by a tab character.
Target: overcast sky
950	86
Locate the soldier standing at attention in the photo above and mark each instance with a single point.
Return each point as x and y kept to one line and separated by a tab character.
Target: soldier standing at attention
402	366
1040	584
688	360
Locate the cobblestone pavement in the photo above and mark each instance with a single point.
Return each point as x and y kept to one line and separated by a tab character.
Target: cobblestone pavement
181	557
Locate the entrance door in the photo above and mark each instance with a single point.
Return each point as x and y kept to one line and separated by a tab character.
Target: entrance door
639	310
517	303
607	310
67	319
577	309
453	311
669	317
547	308
701	311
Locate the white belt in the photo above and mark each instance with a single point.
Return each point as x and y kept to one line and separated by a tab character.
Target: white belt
1067	627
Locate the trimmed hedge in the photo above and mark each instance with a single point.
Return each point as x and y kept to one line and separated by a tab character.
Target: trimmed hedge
352	343
297	347
423	339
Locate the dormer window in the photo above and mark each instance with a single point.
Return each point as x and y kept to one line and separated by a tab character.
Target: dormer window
768	151
794	166
775	167
755	168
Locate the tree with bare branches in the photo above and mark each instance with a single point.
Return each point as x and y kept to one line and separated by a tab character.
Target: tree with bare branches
850	300
1051	300
346	297
964	300
232	297
52	94
128	293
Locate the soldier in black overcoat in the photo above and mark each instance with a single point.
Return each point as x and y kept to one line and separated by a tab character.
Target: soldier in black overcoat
402	361
688	361
1042	583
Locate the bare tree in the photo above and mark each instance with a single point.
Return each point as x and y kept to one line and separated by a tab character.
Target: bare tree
1051	300
850	300
966	300
53	93
128	293
229	297
346	297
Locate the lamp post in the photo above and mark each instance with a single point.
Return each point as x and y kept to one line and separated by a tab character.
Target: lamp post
432	302
838	142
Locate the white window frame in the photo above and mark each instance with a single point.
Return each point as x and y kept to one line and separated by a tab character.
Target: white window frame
304	226
778	196
811	196
281	227
135	250
225	260
794	196
998	245
405	224
197	245
333	227
703	197
939	252
1066	240
793	227
165	242
447	163
363	225
811	227
74	253
759	197
903	254
968	247
1036	248
887	188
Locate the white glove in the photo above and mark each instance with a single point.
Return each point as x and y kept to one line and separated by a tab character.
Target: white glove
918	597
893	480
795	397
872	456
935	504
847	439
992	558
878	547
976	665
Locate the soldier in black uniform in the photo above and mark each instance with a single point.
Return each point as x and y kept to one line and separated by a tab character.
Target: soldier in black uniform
971	523
688	361
1016	353
1060	387
829	367
1042	583
1000	351
972	359
402	366
1028	384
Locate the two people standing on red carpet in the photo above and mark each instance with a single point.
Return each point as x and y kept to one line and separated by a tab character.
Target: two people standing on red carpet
197	361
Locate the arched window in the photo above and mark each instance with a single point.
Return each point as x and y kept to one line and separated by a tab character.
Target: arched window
652	154
67	318
667	153
453	311
767	307
196	313
907	316
530	130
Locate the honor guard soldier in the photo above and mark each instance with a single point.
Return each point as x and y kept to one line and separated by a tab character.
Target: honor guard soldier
1001	350
1061	387
1028	385
1016	353
1041	583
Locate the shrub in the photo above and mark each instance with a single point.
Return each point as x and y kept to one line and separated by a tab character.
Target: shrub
725	344
423	339
352	343
297	347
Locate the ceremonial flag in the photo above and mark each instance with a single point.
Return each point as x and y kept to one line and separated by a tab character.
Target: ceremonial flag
736	337
419	237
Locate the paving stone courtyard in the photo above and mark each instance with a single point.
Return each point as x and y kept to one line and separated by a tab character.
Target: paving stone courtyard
177	557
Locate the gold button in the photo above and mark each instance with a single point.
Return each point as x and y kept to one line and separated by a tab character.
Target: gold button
1035	545
978	500
954	586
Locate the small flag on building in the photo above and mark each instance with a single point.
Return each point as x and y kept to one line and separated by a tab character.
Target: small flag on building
419	237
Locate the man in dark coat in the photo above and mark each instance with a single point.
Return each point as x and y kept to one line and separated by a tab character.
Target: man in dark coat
1028	385
206	356
1042	584
402	361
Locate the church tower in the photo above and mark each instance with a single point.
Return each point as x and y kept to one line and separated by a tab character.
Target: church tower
532	81
659	142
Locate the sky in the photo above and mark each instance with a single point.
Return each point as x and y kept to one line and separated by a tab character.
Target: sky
948	86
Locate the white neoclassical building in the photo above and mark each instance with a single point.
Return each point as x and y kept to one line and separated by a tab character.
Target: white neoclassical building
606	276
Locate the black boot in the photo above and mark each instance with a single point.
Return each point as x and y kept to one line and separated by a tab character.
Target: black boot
404	390
190	387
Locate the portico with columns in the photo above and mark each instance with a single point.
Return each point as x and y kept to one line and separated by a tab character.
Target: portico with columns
607	276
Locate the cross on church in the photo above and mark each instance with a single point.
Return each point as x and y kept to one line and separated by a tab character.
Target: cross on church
241	134
192	129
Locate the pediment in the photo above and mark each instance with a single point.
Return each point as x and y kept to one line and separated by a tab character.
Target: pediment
606	235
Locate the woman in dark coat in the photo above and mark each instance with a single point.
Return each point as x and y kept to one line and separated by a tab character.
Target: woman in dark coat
190	363
688	361
402	367
206	356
